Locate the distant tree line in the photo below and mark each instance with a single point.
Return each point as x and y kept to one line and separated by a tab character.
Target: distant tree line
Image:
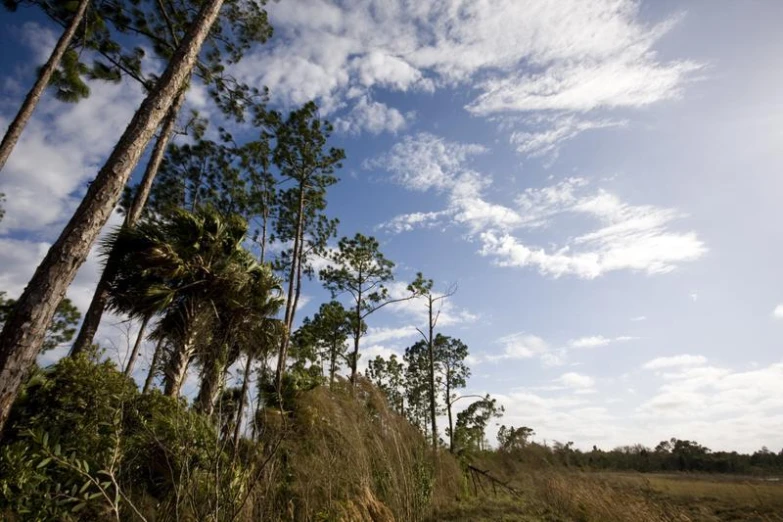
674	455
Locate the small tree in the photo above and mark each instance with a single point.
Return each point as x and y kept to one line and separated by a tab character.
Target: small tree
329	330
512	439
361	271
389	376
450	355
472	422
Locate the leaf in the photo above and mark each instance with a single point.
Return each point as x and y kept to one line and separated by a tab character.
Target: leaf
43	463
78	507
45	440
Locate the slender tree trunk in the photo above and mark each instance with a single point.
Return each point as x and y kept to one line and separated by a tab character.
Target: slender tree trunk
92	319
357	333
242	398
153	367
431	350
14	131
448	408
289	309
332	365
135	353
25	329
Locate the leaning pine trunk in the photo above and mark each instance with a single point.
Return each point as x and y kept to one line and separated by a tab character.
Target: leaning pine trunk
16	127
92	319
25	328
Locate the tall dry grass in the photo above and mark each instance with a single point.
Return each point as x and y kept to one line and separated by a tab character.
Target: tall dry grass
346	456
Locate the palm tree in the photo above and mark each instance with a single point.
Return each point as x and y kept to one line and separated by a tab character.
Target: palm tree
254	296
264	337
183	265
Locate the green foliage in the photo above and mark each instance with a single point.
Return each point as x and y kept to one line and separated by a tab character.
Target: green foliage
83	444
60	330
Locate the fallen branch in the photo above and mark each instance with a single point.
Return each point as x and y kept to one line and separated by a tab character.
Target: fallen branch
493	480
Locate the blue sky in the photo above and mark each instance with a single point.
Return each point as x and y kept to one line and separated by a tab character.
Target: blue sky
600	179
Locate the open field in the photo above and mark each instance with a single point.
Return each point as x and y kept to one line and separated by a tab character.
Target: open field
626	497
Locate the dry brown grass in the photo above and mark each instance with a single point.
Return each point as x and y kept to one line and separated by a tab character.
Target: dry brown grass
346	456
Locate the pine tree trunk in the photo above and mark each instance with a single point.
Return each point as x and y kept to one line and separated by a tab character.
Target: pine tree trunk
289	304
448	407
332	365
14	131
357	333
135	353
92	319
153	367
242	398
431	350
25	329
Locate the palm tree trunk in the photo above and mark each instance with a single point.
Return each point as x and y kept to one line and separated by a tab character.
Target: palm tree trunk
92	319
153	367
135	353
177	367
242	398
211	379
25	328
14	131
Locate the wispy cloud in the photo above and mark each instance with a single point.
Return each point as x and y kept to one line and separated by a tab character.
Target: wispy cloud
675	361
629	237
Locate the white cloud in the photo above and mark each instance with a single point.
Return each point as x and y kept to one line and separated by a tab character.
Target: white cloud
777	313
379	335
576	381
590	342
629	237
426	162
639	318
546	139
520	346
578	56
635	238
694	296
594	341
675	361
373	117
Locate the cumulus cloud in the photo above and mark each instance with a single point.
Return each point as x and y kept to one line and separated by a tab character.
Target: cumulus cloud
520	346
373	117
675	361
576	381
